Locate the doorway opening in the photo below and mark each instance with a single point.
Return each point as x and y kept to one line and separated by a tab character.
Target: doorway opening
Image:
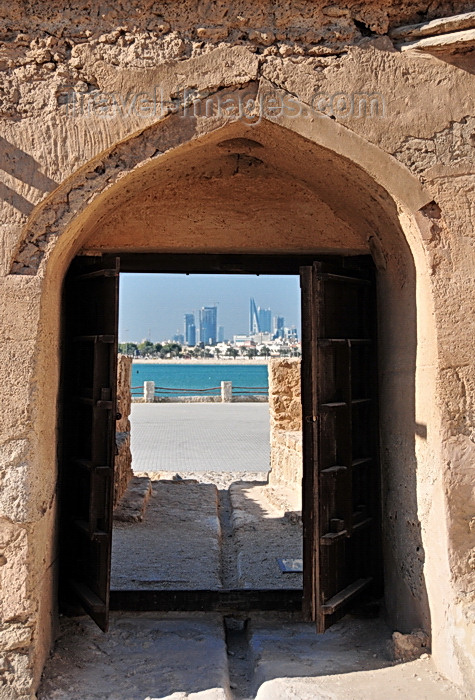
340	484
199	513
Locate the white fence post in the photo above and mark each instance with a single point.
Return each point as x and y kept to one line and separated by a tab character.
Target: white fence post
226	392
149	392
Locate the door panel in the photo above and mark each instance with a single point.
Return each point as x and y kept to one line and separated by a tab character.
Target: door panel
340	438
87	428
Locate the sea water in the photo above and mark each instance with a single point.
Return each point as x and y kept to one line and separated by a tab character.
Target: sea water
200	376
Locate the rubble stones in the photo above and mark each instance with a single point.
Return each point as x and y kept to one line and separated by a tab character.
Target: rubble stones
407	647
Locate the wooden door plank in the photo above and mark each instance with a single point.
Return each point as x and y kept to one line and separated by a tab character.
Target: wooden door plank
345	596
221	600
310	515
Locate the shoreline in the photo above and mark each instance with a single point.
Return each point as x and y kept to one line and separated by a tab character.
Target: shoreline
201	361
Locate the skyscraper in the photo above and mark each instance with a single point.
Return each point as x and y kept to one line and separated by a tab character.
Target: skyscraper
208	324
279	323
265	320
260	320
190	330
220	334
253	318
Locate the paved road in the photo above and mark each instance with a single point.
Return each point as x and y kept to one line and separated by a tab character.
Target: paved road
200	437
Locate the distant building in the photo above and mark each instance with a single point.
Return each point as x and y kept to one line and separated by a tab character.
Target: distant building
220	334
292	334
179	338
265	320
259	338
190	330
279	324
260	319
253	317
243	341
208	324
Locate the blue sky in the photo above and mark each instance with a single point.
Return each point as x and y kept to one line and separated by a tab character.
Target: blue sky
152	305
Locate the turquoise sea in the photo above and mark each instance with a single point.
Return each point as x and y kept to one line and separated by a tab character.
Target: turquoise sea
185	377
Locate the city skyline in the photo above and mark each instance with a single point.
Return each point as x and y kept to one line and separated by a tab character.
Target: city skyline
154	306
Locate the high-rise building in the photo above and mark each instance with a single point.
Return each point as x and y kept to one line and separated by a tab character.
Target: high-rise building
220	334
190	330
260	320
279	324
292	334
208	324
265	320
253	318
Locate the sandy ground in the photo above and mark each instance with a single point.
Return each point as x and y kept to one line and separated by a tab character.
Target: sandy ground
222	480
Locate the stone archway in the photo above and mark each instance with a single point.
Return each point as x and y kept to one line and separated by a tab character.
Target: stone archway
280	185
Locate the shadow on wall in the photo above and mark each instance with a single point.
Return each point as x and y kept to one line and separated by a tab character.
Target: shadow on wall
25	168
406	599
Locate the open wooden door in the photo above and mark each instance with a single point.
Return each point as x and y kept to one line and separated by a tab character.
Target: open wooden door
341	483
87	428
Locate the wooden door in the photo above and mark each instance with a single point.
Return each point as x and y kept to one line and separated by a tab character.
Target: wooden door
341	492
87	426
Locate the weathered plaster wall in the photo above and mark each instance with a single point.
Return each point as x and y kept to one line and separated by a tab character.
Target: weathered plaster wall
349	185
285	411
286	463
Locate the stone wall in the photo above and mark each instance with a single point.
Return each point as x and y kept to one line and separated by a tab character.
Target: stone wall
123	459
285	411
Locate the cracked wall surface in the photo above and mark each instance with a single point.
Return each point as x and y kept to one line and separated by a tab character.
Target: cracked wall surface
123	458
285	411
96	155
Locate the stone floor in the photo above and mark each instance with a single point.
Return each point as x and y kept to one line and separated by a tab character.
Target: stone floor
263	533
228	529
176	545
142	656
201	656
196	536
200	437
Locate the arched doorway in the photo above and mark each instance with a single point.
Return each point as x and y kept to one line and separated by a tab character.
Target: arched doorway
273	188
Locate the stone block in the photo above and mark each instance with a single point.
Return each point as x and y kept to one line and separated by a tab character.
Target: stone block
284	394
133	503
407	647
15	637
